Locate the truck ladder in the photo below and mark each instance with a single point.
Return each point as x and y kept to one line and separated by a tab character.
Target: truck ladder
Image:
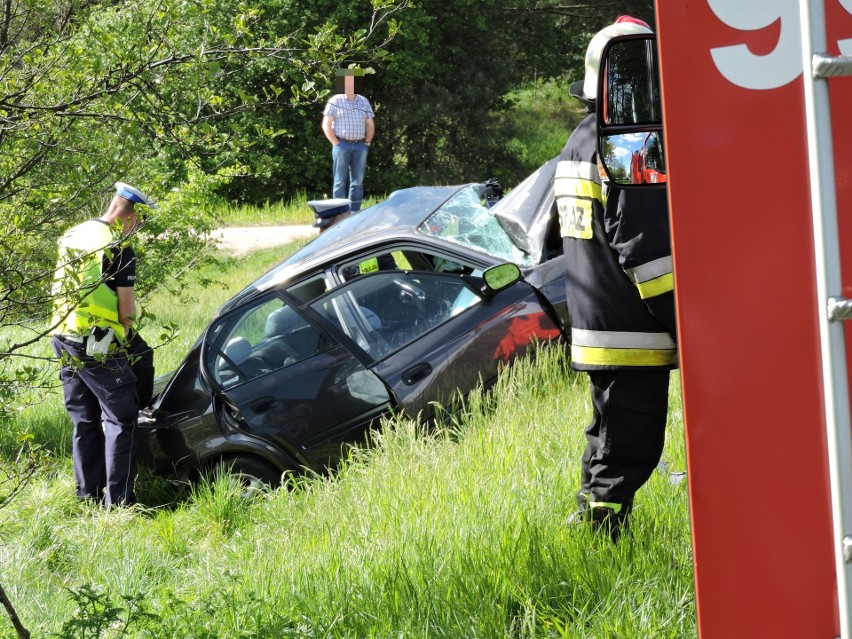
832	307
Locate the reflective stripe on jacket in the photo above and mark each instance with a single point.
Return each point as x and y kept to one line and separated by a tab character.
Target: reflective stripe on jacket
82	300
653	278
622	349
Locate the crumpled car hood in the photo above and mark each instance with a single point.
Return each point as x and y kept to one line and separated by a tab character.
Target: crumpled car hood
525	212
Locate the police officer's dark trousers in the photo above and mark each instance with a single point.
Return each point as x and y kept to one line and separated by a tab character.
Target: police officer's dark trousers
102	401
625	439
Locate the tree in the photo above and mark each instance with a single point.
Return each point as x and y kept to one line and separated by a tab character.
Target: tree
287	152
92	91
142	91
435	92
439	94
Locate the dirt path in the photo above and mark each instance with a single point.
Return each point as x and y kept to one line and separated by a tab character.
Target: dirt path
241	240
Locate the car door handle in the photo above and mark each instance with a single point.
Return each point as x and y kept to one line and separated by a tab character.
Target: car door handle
264	405
416	373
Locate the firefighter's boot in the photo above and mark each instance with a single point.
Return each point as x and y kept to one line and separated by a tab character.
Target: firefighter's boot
611	518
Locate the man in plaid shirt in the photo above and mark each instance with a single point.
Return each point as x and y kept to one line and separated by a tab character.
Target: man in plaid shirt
348	124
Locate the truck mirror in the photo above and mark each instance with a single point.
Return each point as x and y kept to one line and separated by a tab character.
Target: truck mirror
629	113
634	158
631	81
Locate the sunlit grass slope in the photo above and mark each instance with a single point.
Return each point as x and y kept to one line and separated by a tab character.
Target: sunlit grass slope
459	533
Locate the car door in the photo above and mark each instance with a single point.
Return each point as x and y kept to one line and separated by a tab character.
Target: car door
279	377
432	336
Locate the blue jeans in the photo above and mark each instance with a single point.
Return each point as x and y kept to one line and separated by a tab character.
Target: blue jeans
349	161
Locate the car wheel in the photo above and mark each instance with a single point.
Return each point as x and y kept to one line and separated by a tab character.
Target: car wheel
253	474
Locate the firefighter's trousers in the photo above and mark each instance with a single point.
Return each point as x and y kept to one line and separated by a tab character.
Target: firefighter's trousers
625	440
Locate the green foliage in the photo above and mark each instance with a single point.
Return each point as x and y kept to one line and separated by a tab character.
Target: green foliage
438	83
440	98
437	96
175	236
166	96
98	614
283	148
540	120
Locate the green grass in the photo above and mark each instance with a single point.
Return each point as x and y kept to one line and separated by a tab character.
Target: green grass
457	533
295	211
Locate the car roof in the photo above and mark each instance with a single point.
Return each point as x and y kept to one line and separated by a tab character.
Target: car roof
396	217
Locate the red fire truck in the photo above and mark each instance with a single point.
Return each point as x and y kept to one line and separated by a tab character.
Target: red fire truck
647	164
755	99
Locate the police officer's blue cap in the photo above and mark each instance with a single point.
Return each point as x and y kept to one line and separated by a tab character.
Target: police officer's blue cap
329	208
133	194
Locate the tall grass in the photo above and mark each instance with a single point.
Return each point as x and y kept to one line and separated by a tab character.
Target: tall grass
461	532
281	213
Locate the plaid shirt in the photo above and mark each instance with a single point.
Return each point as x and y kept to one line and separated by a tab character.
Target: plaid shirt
349	117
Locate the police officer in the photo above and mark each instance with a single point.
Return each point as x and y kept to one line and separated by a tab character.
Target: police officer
617	248
94	310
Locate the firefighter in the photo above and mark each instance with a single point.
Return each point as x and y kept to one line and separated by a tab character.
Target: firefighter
620	295
92	334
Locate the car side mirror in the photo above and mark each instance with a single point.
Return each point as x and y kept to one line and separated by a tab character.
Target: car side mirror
499	277
629	112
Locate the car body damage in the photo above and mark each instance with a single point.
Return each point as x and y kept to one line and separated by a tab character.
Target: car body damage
408	305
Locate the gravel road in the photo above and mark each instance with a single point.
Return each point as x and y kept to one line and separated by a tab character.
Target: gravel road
241	240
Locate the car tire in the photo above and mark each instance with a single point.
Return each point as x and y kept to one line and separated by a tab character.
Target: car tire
254	474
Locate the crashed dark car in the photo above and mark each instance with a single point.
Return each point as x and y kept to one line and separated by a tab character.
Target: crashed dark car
406	306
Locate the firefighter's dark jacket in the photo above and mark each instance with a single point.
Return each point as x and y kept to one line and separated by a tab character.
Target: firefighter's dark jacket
617	245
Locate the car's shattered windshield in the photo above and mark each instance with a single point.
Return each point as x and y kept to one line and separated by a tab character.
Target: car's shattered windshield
464	220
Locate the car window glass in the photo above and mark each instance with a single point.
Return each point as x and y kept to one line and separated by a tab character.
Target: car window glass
387	311
386	261
263	338
465	220
448	265
407	259
344	313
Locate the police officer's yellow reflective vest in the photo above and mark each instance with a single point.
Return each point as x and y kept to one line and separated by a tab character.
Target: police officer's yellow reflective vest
370	265
384	262
82	300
